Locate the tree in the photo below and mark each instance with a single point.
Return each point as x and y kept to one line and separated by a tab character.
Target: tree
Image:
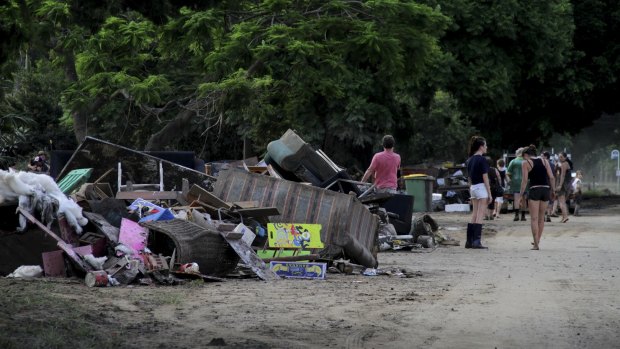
332	70
505	57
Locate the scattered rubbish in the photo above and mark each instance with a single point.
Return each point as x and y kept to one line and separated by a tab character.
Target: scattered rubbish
370	272
457	208
146	220
299	270
27	271
189	268
96	263
97	278
247	254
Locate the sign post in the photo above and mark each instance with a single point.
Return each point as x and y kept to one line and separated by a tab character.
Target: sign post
615	155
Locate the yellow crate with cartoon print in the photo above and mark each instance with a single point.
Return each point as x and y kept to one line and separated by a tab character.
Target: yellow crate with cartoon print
294	235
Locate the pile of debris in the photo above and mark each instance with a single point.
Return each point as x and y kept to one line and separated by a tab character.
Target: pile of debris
158	222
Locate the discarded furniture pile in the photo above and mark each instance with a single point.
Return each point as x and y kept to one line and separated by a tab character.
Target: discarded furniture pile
128	217
448	185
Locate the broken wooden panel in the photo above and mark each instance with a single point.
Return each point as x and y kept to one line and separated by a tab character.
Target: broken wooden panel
111	210
138	167
192	243
103	226
67	233
197	193
54	261
97	241
340	215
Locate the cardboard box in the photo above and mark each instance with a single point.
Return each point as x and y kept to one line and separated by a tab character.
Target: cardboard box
457	208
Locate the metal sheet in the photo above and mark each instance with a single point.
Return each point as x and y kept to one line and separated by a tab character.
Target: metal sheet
340	215
249	257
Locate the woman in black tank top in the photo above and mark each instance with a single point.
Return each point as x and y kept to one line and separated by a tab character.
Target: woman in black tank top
540	176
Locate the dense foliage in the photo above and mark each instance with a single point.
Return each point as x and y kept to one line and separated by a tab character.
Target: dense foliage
213	76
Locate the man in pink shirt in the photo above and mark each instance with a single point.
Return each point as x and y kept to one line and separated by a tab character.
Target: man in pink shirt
384	167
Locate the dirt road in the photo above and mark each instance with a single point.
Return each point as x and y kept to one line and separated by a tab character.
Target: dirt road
567	295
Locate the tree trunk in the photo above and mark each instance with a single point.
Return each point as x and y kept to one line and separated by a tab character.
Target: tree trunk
175	129
80	115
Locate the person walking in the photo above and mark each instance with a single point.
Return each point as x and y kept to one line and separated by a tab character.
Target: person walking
577	187
563	185
499	200
538	171
514	173
479	190
496	189
552	203
384	168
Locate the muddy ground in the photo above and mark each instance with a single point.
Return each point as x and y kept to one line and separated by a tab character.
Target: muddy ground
567	295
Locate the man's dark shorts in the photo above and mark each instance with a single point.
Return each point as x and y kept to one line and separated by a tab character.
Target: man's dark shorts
540	194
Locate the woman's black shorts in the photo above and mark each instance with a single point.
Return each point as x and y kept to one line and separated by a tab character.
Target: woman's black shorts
540	194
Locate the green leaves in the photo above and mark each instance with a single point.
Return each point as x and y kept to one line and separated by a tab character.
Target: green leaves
56	11
341	72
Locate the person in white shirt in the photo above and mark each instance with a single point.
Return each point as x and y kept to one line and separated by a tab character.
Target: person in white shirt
577	184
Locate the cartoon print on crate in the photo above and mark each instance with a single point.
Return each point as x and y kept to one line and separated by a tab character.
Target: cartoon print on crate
294	235
303	270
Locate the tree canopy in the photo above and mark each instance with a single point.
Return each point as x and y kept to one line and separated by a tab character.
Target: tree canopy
206	75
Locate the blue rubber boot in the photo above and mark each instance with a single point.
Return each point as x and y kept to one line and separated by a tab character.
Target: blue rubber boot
477	237
470	235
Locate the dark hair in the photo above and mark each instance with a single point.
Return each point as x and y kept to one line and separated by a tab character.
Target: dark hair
388	142
475	143
546	154
531	150
501	162
489	161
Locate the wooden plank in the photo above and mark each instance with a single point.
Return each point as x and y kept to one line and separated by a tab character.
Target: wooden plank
198	193
205	278
103	176
258	169
182	199
246	204
68	249
258	212
249	257
147	195
205	207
